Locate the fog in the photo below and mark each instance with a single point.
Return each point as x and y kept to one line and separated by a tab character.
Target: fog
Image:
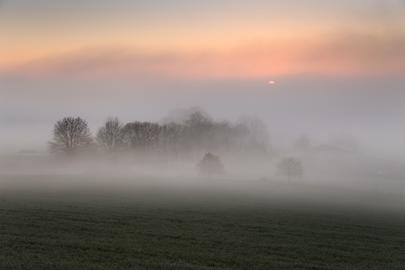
202	134
326	184
369	109
347	134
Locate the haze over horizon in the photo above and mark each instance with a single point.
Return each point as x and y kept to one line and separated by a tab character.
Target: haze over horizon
337	66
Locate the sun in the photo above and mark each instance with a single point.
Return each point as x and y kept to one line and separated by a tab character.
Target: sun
271	82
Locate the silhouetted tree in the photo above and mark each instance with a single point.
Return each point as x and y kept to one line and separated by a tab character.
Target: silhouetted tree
141	135
111	135
70	135
189	133
291	168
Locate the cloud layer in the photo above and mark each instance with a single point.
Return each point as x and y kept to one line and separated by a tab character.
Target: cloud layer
355	53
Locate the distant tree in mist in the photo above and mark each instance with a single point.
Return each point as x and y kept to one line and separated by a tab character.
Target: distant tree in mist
199	132
196	131
252	134
70	135
291	168
198	121
181	116
111	135
141	135
211	165
171	138
184	136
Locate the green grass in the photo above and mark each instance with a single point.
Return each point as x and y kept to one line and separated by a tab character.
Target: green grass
79	230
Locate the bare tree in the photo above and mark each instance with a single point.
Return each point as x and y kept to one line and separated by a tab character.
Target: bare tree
111	135
70	135
142	135
291	168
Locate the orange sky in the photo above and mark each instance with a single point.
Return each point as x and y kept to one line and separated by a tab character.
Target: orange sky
229	39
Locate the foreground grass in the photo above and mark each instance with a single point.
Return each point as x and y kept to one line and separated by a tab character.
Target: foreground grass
99	231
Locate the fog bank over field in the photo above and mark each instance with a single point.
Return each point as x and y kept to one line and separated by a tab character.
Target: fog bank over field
345	134
335	171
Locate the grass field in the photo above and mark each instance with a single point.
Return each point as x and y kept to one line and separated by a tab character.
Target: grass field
78	229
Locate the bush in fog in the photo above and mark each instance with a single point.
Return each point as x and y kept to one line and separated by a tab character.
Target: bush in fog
211	165
111	135
70	135
290	168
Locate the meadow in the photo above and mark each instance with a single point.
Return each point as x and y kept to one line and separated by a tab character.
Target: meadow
99	226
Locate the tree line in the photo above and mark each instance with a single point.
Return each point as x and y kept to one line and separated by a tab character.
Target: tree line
195	134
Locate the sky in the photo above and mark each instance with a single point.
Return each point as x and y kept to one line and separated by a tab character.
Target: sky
140	59
199	39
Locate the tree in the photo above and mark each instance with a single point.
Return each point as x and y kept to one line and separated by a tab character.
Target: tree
111	135
253	134
141	135
198	121
211	165
197	128
170	138
291	168
70	135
